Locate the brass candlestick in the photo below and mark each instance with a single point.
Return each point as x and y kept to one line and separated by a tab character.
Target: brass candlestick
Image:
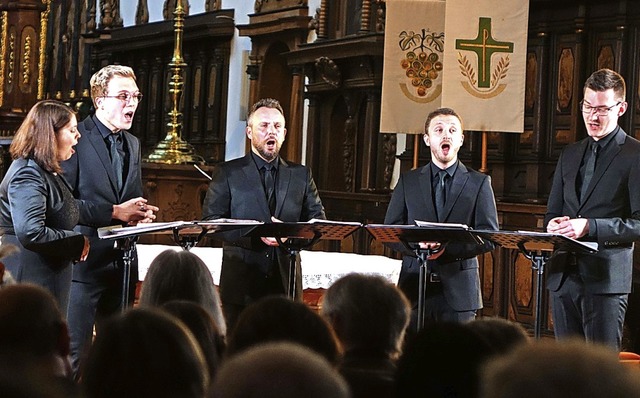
173	149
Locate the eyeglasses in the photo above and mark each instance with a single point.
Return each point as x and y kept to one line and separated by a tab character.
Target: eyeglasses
126	97
598	110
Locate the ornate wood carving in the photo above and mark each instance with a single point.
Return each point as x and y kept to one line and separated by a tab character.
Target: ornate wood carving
142	12
328	71
565	78
169	8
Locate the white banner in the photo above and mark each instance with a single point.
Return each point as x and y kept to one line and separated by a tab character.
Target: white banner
413	64
484	63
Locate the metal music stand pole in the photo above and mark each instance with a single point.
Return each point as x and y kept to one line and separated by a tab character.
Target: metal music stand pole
541	246
128	247
410	236
295	236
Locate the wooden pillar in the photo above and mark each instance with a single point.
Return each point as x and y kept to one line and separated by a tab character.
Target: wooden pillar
370	142
294	131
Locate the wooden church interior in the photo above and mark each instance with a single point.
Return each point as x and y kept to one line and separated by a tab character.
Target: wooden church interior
330	88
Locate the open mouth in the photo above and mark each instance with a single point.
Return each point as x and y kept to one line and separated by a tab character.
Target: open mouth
128	116
445	148
271	144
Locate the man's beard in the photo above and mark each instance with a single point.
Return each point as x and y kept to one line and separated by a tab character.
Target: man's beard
266	155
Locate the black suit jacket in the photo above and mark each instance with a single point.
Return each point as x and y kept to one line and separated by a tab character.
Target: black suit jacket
236	191
470	201
612	205
92	180
32	217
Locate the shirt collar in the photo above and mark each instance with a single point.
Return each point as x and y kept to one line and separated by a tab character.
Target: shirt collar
607	138
261	162
450	170
104	131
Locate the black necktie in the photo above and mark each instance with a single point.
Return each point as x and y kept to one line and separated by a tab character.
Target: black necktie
116	159
441	194
589	168
270	186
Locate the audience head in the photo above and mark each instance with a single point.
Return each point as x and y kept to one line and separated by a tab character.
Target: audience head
182	275
277	318
145	353
33	327
368	313
442	360
278	370
201	324
6	278
558	370
501	334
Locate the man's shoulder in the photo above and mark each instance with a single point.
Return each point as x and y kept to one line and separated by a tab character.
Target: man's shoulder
86	125
292	165
475	174
234	163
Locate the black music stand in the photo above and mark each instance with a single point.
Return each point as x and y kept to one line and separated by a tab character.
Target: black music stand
295	236
187	234
410	236
538	248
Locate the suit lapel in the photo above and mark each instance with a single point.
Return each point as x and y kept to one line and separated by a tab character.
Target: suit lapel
605	158
457	184
251	174
133	148
282	185
101	150
426	193
573	158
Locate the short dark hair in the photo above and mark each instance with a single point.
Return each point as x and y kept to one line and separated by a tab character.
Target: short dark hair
605	79
264	103
439	112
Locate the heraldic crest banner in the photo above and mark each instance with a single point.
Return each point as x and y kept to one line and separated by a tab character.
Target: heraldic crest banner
413	64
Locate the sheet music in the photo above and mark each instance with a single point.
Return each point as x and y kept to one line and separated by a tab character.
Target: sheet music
321	221
428	224
141	228
228	221
591	245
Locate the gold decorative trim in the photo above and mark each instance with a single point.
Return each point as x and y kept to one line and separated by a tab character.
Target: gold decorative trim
12	57
44	19
173	149
3	51
26	57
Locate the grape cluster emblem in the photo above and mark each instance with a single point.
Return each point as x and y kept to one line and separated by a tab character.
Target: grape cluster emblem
422	64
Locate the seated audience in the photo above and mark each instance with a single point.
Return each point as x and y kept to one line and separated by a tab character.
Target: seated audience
201	324
502	334
550	369
34	344
182	275
369	316
278	370
277	318
145	353
5	276
443	360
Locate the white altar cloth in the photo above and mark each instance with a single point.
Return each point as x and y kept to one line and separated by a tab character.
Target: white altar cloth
319	269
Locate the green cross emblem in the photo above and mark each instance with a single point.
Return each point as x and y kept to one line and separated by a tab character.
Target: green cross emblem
484	46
